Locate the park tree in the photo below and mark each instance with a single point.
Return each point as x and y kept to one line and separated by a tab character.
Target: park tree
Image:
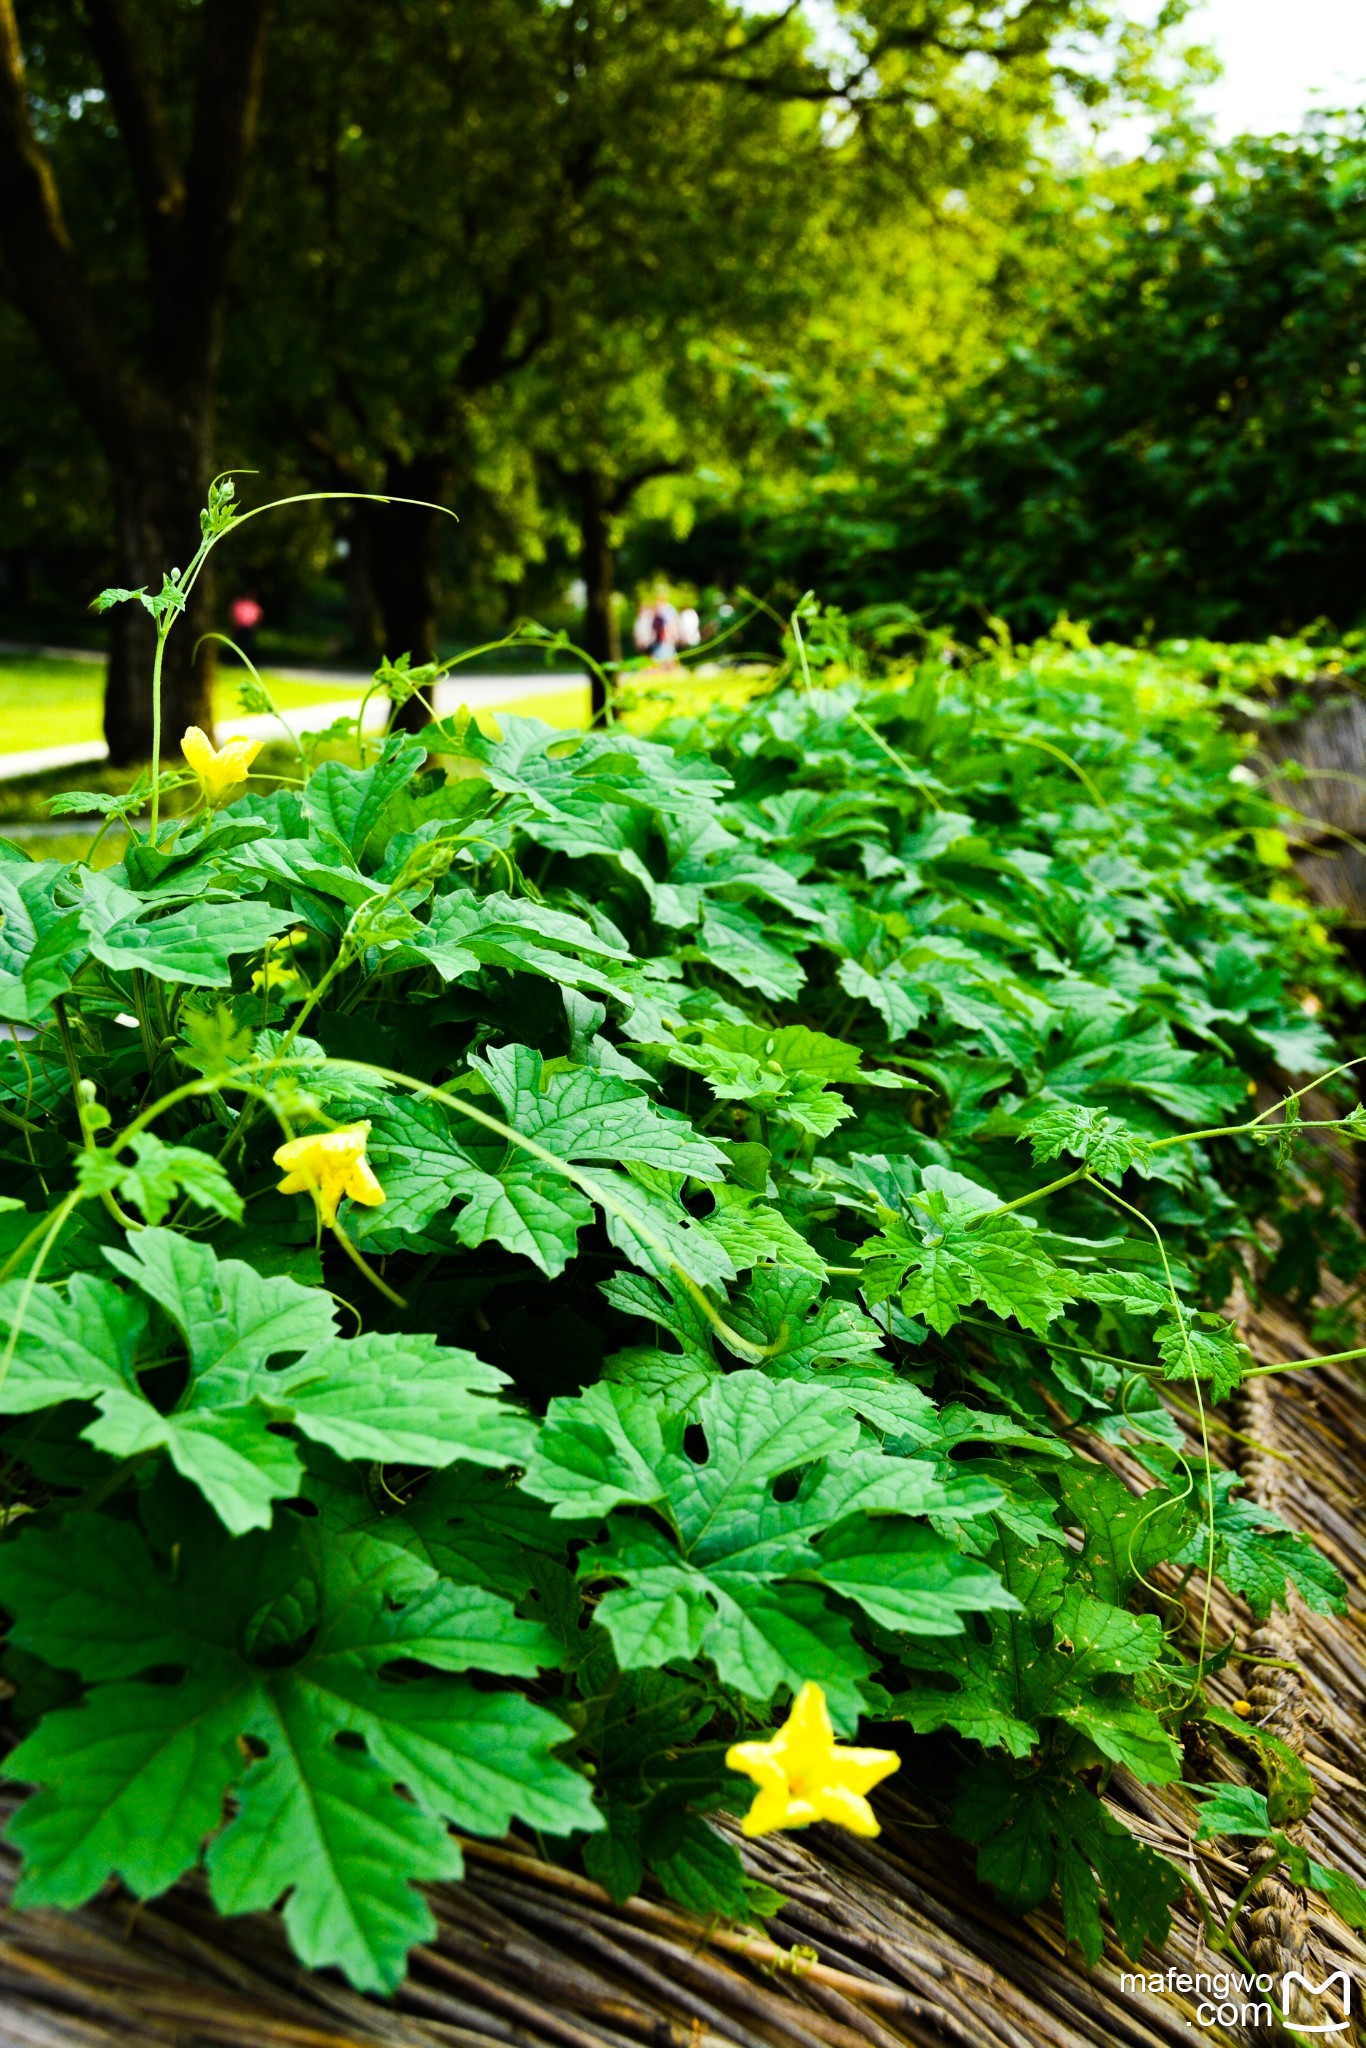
1190	401
442	193
125	133
576	199
545	202
54	500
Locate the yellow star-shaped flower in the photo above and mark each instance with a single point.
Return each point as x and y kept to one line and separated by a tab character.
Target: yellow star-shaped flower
220	771
803	1774
330	1164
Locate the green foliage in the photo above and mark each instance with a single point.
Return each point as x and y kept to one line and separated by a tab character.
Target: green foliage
802	1136
1237	1810
1048	1830
455	276
279	1648
1173	446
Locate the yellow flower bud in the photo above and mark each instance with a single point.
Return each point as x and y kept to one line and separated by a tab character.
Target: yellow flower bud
803	1774
328	1165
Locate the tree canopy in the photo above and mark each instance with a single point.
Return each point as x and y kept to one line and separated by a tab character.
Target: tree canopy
496	256
1175	446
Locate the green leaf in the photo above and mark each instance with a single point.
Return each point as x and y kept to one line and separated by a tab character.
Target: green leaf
753	1233
168	1750
232	1319
229	1453
1203	1347
300	1642
702	1871
466	932
737	942
1106	1145
1233	1810
785	1311
159	1173
785	1073
69	1346
1035	1832
478	1528
597	1450
347	804
1124	1535
523	1202
381	1397
906	1577
216	1042
651	1226
527	1209
1141	1060
40	943
1237	1810
1001	1682
194	945
957	1252
739	1578
899	1002
103	804
1257	1555
1290	1785
406	1400
583	1114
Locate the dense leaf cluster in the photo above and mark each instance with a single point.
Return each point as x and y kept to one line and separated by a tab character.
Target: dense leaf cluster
1174	449
806	1137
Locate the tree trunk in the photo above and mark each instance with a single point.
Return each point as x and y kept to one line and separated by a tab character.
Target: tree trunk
18	577
403	551
152	409
362	606
601	638
159	496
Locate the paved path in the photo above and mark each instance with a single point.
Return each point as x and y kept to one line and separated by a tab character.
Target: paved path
479	692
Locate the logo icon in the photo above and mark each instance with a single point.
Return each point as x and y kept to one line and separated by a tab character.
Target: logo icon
1344	1997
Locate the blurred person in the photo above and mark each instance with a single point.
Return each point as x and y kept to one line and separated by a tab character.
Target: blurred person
664	647
689	627
643	631
246	615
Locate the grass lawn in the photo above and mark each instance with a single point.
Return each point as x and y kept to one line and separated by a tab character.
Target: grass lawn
56	702
52	703
49	703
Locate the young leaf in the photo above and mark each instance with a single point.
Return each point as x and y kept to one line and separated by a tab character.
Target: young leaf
157	1174
1257	1555
955	1252
1204	1347
1104	1144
